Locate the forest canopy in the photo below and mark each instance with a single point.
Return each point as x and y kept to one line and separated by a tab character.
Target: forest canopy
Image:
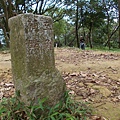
96	21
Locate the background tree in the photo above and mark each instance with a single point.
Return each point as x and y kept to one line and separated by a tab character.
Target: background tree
6	11
93	18
97	21
74	12
59	31
10	8
119	22
109	9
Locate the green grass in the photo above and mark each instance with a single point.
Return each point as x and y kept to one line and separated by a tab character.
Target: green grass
103	49
13	109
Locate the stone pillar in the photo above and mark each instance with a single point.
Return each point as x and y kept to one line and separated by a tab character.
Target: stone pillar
32	57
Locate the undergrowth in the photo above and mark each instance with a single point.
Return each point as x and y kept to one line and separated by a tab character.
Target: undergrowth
13	109
4	49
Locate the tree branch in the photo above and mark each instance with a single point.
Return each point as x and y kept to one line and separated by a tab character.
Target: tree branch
113	32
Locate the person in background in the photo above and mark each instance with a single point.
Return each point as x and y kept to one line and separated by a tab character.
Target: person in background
82	44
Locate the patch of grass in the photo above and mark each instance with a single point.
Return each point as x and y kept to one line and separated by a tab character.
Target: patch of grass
104	49
13	109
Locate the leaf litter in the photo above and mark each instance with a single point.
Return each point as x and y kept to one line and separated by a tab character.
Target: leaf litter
90	85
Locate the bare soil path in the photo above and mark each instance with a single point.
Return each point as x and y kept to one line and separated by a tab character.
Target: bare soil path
91	76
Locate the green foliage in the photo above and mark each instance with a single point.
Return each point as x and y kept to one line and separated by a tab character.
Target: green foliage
4	49
59	27
13	109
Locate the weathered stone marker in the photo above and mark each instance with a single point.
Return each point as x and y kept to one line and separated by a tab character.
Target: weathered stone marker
32	56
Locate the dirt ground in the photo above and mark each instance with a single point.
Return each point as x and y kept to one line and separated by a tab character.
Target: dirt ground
91	76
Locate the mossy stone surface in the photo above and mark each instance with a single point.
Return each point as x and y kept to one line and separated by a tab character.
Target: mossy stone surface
32	57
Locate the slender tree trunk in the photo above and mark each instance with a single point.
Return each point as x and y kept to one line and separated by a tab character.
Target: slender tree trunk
87	39
113	32
108	24
119	24
108	33
70	44
10	12
40	8
6	30
76	27
65	39
90	35
35	12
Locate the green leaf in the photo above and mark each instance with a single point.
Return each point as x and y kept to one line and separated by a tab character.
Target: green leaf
2	110
18	93
54	114
52	118
41	104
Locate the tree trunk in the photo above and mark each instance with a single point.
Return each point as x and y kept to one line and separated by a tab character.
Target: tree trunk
90	35
65	39
76	27
40	8
108	33
108	23
35	12
113	32
6	29
119	24
10	12
7	8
